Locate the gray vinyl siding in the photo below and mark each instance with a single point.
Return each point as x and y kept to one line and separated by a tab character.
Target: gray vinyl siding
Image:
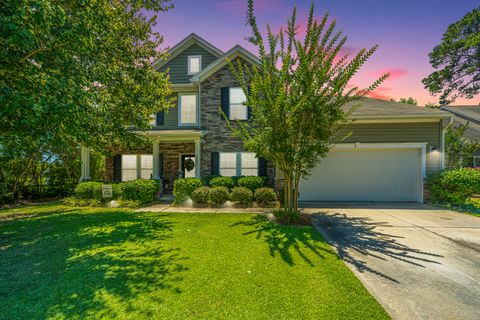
179	65
429	132
170	120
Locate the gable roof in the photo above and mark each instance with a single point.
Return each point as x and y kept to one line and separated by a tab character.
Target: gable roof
371	108
235	52
464	115
185	44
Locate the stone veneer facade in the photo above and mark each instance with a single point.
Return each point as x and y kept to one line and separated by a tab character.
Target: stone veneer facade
217	136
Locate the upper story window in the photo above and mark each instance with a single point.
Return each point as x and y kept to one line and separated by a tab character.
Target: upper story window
187	109
194	64
238	109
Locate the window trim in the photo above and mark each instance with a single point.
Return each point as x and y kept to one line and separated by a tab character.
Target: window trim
189	72
238	162
230	105
179	108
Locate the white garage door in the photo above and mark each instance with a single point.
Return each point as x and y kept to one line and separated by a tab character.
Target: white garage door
366	175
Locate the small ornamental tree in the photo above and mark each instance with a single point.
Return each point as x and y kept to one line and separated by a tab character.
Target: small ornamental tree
298	96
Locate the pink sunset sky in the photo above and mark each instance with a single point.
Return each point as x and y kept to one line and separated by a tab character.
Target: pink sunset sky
405	30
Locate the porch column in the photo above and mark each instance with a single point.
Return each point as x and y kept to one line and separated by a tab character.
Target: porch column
156	160
198	160
85	159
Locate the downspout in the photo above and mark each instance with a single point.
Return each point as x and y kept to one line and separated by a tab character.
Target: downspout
449	124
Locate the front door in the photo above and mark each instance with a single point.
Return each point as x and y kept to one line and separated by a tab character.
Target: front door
188	166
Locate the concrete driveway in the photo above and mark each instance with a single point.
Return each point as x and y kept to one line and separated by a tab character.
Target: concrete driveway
420	262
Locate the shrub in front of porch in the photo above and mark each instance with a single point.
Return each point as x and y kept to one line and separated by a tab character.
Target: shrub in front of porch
222	181
183	188
265	197
242	195
201	196
218	195
252	182
140	190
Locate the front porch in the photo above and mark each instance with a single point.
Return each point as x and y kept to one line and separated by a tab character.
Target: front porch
163	159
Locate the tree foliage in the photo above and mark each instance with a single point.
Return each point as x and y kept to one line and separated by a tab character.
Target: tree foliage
298	95
458	149
409	100
79	71
457	59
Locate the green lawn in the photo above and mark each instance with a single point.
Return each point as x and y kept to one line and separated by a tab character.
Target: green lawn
58	262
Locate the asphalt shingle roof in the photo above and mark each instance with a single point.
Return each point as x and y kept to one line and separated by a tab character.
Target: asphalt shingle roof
375	109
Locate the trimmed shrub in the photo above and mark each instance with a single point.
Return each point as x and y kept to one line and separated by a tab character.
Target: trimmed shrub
218	195
454	186
221	181
201	195
235	180
242	195
206	179
129	203
251	182
265	196
183	188
89	190
140	190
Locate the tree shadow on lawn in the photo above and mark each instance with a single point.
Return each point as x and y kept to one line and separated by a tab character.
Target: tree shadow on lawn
282	239
73	264
354	237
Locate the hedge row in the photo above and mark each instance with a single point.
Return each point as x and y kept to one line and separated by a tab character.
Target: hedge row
183	188
216	196
129	193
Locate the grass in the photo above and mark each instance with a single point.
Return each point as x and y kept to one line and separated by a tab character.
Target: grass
59	262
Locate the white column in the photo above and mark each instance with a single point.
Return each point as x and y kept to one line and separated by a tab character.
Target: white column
198	160
85	159
156	160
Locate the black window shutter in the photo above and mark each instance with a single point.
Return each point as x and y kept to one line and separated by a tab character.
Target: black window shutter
262	167
225	102
249	110
117	168
160	118
160	166
215	163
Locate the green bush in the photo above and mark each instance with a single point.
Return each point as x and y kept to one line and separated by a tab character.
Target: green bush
265	196
206	179
221	181
251	182
89	190
454	186
129	203
183	188
201	195
242	195
140	190
218	195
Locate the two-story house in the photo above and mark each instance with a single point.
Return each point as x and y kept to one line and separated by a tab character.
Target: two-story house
391	149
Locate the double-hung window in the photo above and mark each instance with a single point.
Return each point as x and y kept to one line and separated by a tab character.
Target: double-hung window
238	164
137	166
194	64
238	109
187	107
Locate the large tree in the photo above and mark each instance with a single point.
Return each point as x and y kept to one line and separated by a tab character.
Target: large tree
299	96
79	71
457	59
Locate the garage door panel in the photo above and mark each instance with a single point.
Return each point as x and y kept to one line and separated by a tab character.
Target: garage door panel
365	175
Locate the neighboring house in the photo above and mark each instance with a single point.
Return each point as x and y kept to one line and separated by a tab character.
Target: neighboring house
390	150
470	115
